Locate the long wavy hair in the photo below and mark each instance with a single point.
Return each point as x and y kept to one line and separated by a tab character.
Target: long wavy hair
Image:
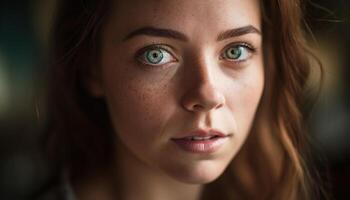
272	164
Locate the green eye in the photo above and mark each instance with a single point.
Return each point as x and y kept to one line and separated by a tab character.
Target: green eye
154	56
237	53
234	52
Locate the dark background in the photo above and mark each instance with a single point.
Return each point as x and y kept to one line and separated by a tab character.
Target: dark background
24	28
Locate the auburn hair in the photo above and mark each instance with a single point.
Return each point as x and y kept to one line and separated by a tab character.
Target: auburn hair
272	164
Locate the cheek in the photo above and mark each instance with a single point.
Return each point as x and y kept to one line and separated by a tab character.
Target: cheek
137	109
245	97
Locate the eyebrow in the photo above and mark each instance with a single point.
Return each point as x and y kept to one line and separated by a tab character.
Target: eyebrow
159	32
168	33
238	32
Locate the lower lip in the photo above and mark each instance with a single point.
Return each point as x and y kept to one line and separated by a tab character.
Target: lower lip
201	146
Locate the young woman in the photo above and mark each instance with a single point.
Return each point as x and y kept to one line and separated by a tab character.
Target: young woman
182	99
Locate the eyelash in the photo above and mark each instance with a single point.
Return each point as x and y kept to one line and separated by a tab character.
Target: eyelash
249	47
164	47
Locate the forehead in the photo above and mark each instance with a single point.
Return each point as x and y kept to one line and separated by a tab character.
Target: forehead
189	16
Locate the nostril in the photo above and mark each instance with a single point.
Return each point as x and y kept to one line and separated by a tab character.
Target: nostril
203	98
219	106
197	107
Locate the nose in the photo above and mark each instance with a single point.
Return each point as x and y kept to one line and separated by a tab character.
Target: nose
202	95
202	99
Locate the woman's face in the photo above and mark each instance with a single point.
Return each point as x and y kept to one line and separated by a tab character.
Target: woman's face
171	70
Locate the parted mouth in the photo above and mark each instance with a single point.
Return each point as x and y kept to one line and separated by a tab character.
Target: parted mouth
201	134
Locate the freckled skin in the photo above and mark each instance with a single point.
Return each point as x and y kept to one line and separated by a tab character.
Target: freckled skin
150	105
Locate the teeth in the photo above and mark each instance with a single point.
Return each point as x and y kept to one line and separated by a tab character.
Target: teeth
200	138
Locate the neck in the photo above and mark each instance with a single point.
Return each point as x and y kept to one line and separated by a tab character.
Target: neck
140	181
133	180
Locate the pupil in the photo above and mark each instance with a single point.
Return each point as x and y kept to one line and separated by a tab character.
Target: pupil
154	56
235	52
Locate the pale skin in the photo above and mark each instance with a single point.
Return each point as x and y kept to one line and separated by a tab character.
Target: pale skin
196	84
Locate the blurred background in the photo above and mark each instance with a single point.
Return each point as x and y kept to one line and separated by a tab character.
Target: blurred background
24	28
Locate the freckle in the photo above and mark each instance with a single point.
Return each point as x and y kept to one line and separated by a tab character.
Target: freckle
143	96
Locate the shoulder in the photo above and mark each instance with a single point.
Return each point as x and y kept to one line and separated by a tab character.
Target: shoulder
60	190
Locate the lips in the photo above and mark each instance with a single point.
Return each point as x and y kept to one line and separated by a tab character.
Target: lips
201	134
201	141
199	138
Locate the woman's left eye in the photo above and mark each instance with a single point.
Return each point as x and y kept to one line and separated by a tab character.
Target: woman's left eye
155	56
238	53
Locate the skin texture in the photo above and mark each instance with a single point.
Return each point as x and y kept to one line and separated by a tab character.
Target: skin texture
197	88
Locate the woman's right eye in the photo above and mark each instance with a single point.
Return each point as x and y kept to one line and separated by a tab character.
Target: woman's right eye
155	56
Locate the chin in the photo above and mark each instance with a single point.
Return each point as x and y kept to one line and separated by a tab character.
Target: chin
198	180
202	173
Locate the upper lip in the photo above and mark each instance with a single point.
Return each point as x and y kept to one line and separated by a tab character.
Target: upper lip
202	133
